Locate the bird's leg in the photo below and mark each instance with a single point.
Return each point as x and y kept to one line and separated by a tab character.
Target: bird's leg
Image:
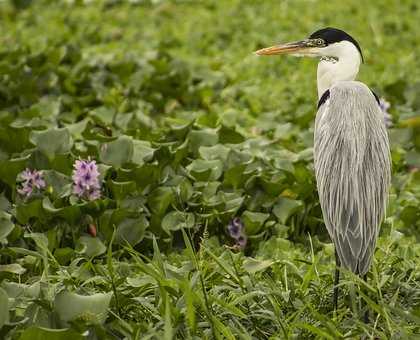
366	315
336	281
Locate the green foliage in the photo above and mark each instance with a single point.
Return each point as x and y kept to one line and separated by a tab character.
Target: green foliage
189	130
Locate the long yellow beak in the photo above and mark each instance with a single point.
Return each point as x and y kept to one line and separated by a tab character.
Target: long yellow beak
289	48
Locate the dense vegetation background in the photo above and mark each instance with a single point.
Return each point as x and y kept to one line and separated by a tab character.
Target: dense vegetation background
190	130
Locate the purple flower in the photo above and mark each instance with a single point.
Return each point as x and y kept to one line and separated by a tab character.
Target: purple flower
86	179
32	180
235	227
236	230
385	105
241	241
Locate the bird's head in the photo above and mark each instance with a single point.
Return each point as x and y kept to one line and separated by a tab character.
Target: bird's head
327	42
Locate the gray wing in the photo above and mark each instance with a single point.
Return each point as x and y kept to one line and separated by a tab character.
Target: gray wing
353	171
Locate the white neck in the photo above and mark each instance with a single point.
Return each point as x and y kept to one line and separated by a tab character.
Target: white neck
345	67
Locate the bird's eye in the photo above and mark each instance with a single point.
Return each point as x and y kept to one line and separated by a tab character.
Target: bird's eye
319	42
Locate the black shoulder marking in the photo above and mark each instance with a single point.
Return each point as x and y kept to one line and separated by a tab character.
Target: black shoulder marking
376	97
332	35
323	98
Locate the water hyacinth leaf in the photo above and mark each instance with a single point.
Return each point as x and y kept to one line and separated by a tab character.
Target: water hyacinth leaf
90	246
70	213
218	151
160	199
14	289
275	184
185	189
253	221
131	230
103	115
64	255
233	201
286	207
117	152
122	189
235	176
40	239
209	189
52	141
70	306
176	220
4	308
410	215
47	106
9	169
103	170
24	212
142	152
123	120
252	265
230	136
49	207
205	137
6	226
41	333
14	268
58	184
284	159
5	204
307	154
77	129
203	170
413	158
236	157
284	131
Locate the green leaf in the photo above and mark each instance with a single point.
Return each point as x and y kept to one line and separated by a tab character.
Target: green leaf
230	136
13	268
52	141
77	129
203	170
9	169
14	289
64	255
253	221
176	220
160	199
103	114
40	239
58	184
217	151
117	152
24	212
142	152
6	226
122	189
48	206
91	308
41	333
205	137
90	246
413	158
131	230
4	308
252	265
286	207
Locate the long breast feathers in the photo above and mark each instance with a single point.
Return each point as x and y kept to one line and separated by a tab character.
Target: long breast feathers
352	168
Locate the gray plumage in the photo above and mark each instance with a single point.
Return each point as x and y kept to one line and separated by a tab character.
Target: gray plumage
353	171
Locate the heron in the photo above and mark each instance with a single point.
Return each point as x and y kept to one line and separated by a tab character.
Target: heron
351	149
